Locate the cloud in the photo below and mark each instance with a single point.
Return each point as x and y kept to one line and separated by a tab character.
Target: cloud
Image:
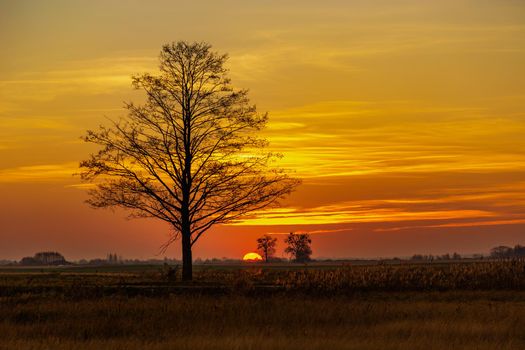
34	122
427	206
39	173
351	213
312	232
353	39
348	138
84	77
456	224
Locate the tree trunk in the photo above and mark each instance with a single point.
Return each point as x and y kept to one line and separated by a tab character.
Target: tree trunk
187	268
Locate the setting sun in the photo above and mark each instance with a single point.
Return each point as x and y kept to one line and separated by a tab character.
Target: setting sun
252	257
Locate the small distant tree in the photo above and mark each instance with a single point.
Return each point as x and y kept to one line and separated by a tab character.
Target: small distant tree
266	246
417	257
501	252
111	259
430	257
519	250
299	247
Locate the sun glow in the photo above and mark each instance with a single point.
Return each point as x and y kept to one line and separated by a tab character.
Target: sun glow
251	257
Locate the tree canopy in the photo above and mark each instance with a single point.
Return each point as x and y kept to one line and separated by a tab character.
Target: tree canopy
190	155
266	246
299	246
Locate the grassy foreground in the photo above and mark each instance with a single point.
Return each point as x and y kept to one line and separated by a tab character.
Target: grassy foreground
417	320
475	306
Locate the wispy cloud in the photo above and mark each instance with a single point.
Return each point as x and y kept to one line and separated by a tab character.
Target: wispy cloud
426	207
39	173
81	77
312	232
346	138
477	223
340	214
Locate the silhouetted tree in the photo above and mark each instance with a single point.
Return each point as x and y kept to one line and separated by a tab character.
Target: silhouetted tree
266	246
44	258
519	250
501	252
50	258
299	246
420	257
28	260
113	258
190	154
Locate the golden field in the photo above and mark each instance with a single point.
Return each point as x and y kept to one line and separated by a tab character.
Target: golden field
477	305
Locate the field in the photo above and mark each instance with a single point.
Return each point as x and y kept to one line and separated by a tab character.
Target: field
477	305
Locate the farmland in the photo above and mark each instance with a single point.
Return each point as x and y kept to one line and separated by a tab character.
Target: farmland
475	305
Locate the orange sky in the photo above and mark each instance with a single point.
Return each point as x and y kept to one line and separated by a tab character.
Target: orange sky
405	119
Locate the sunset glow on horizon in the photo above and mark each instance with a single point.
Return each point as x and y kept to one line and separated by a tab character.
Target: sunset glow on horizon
404	119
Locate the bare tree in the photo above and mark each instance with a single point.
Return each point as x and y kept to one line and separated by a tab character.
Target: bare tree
299	246
266	245
501	252
190	154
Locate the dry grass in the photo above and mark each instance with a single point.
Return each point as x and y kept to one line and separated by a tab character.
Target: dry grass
327	280
458	320
491	275
447	306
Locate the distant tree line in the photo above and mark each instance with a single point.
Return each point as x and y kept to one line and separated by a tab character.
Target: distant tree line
420	257
504	252
44	258
298	249
113	259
